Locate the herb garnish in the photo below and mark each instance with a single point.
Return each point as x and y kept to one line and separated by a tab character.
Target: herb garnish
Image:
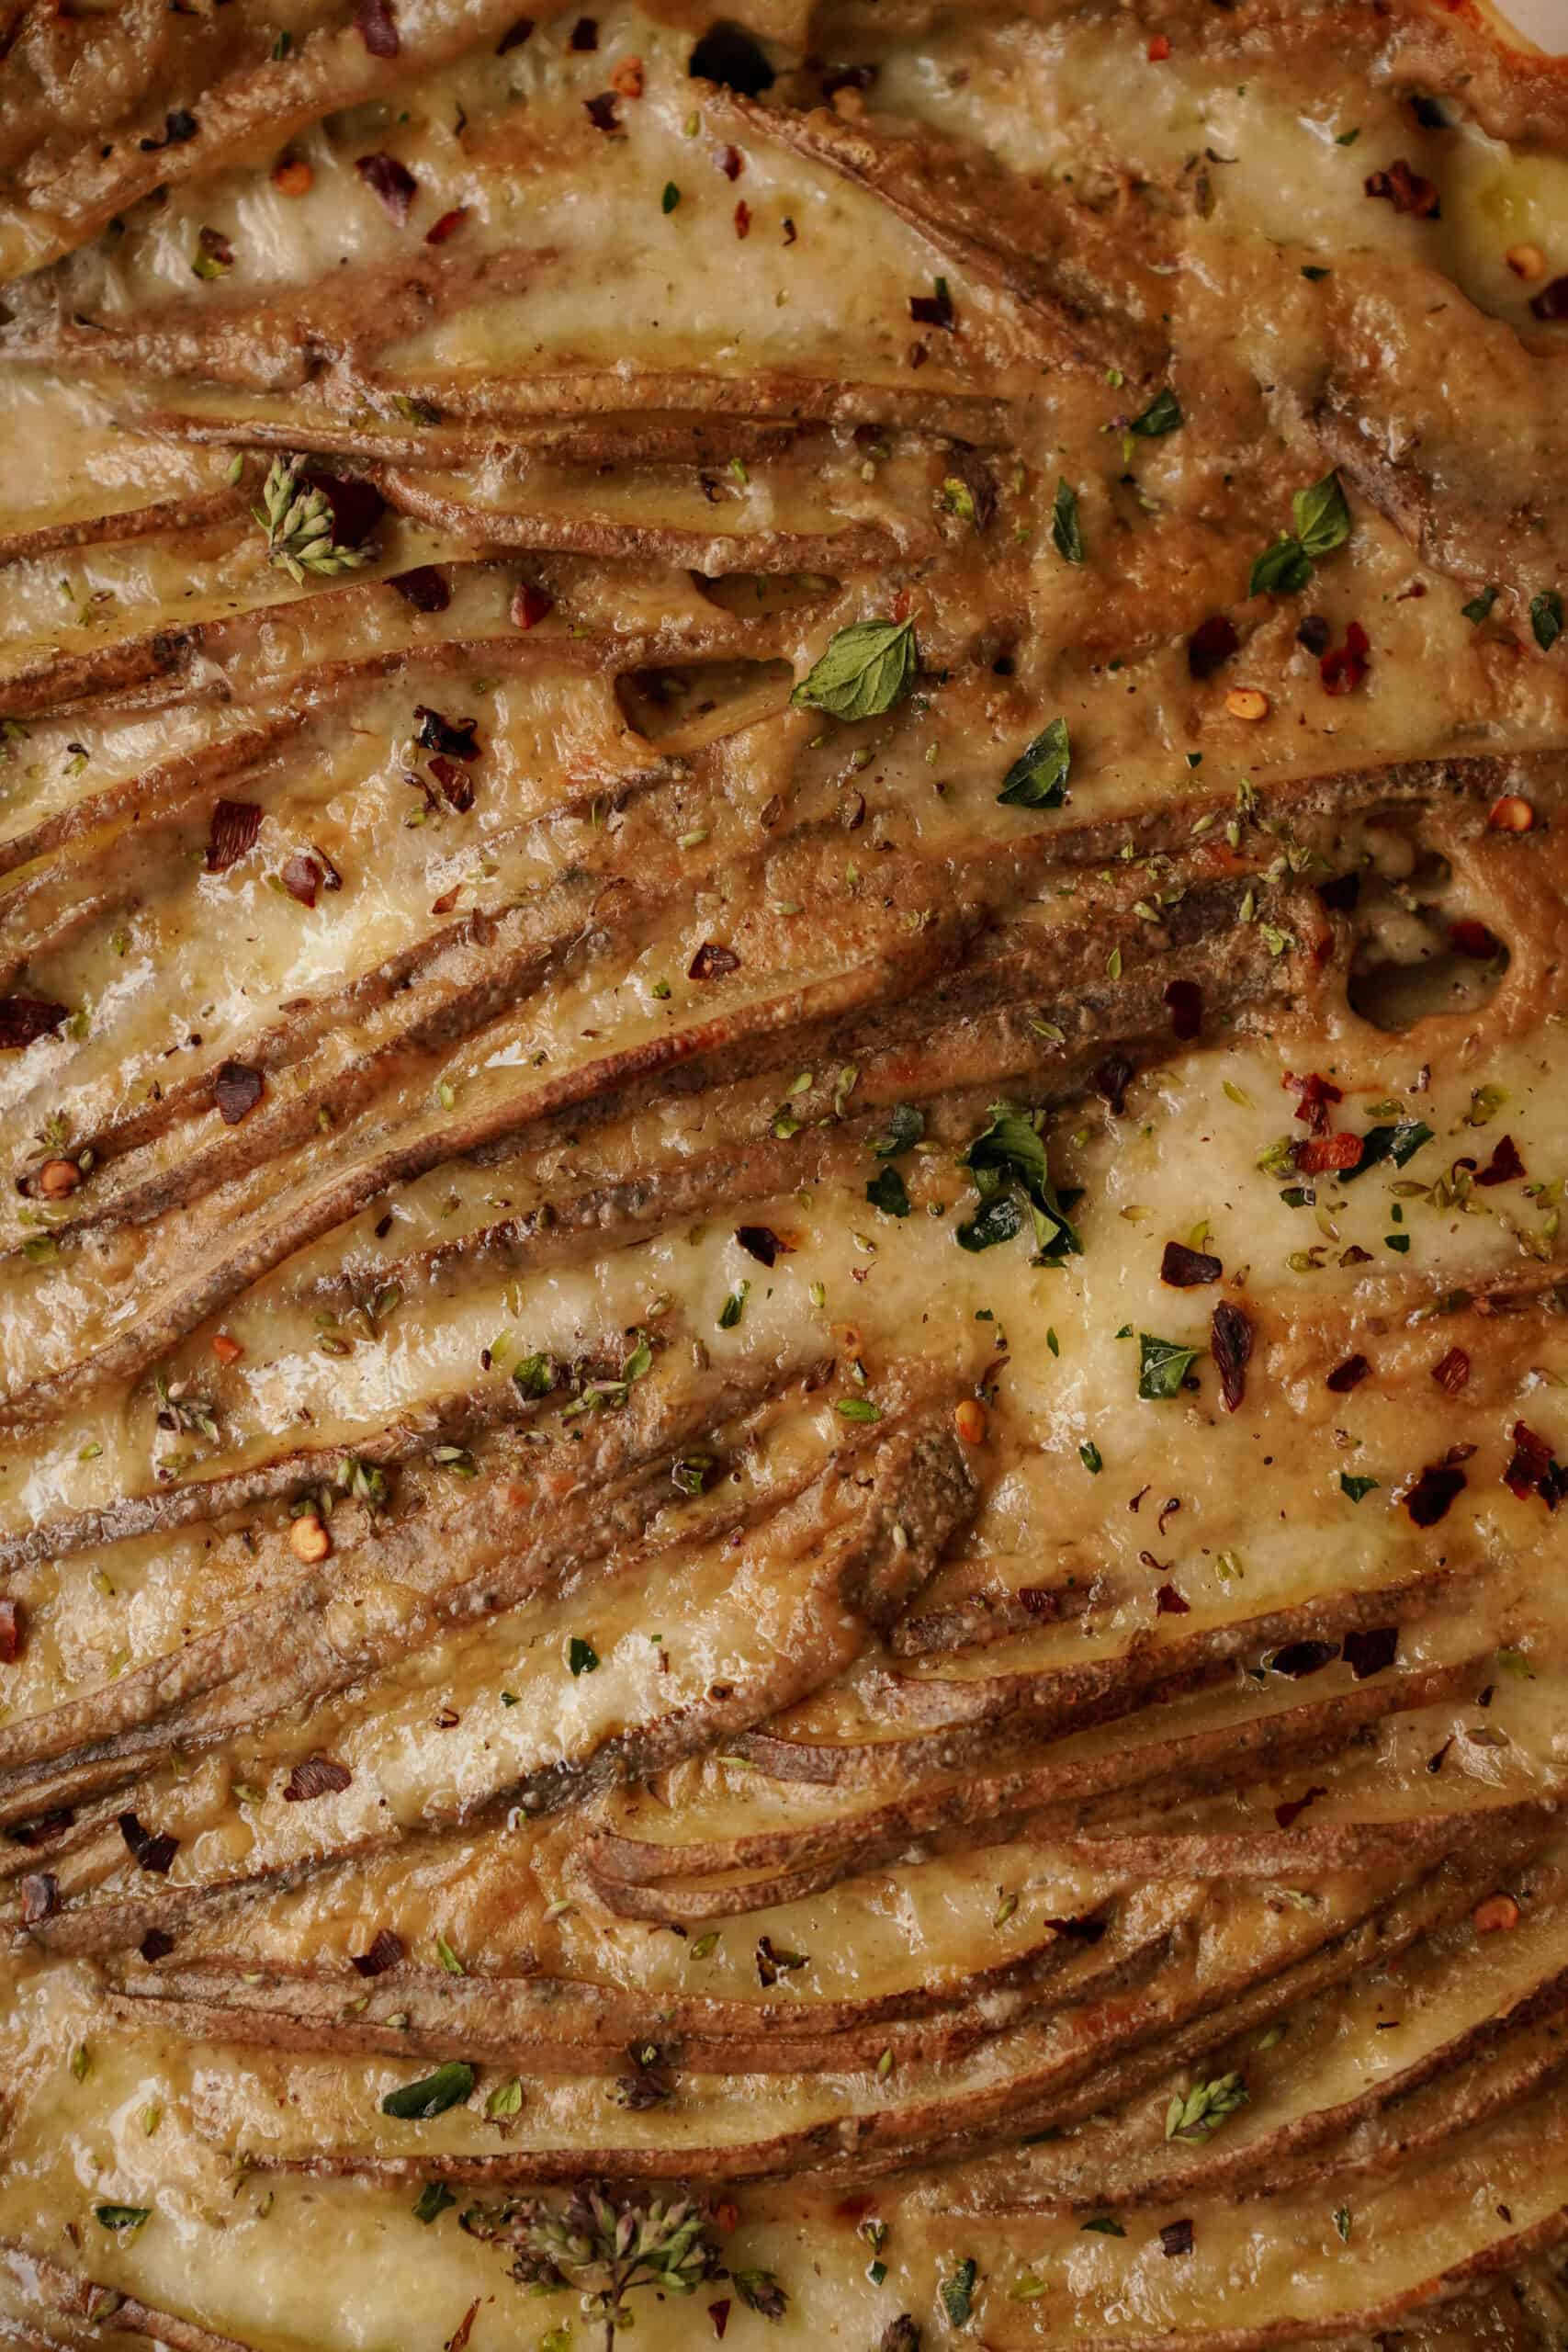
1163	1366
958	2292
867	668
299	519
1161	415
1038	777
1199	2113
1323	523
1546	618
1065	530
1008	1159
433	2094
605	2246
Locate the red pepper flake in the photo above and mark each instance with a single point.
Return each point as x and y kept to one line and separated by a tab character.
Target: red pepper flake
1371	1650
719	2314
236	1090
1341	893
626	77
1348	1375
301	878
459	2339
1505	1167
917	354
1230	1344
1533	1470
25	1019
392	181
1344	667
1184	1268
12	1631
760	1241
712	962
1405	191
901	604
1294	1807
585	33
1551	302
1159	48
1433	1492
1472	938
457	785
790	231
743	219
1176	2237
233	832
386	1950
377	26
530	605
155	1945
1211	645
316	1776
425	588
1313	1093
448	226
1452	1372
1184	1001
1318	1155
41	1898
515	36
148	1852
1168	1603
602	111
729	160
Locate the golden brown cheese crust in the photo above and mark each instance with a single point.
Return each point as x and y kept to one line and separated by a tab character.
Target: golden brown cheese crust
780	1343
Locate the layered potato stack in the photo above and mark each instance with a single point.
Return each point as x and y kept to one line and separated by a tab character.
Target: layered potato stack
783	1396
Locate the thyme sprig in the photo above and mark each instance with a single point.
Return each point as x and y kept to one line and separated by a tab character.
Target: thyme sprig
1198	2113
606	2246
298	521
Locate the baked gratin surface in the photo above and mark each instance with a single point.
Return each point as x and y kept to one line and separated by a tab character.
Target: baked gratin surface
782	1379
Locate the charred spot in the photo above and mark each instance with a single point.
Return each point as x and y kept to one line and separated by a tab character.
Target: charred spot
25	1019
1110	1080
456	739
1340	895
515	36
1371	1650
1348	1375
1183	1000
1414	954
1290	1812
1550	305
1505	1167
1298	1659
604	111
731	56
1168	1603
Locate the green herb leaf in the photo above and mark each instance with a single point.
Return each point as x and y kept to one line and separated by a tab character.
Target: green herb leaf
1321	515
433	2201
905	1127
1399	1144
582	1656
1342	2222
1356	1489
760	2291
671	197
734	1306
859	1408
1199	2113
433	2094
889	1192
534	1375
1480	608
1282	569
505	2099
1162	1365
1038	777
1546	618
958	2292
1161	415
1106	2225
1011	1151
1091	1457
1066	529
121	2217
867	668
